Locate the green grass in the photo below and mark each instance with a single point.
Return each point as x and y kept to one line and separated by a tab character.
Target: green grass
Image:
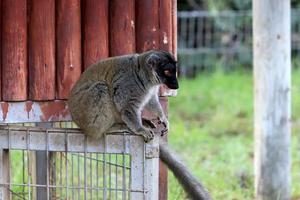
212	130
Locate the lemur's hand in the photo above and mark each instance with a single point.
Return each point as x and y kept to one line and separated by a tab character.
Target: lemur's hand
165	123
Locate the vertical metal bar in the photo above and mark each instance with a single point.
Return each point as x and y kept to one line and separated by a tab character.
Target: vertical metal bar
4	176
180	32
91	179
109	172
191	37
85	175
97	175
212	31
184	32
8	160
66	163
130	167
72	172
129	179
207	32
124	168
116	184
199	32
28	162
144	172
23	173
104	169
47	153
52	160
78	172
60	173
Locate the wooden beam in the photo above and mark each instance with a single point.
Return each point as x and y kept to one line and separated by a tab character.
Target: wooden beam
68	41
147	28
44	111
272	101
174	27
1	50
166	34
122	27
165	25
95	39
14	50
41	50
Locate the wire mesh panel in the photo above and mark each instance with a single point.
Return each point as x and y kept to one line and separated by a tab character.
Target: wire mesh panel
222	38
119	166
206	39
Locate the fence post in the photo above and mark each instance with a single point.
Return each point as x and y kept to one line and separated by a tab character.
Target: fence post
272	101
42	168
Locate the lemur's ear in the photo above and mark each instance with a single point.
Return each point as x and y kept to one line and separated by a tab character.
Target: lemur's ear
153	60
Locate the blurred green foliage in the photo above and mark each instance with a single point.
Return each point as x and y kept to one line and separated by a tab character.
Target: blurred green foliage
211	128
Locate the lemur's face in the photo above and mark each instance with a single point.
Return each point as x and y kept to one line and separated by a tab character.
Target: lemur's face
167	71
168	75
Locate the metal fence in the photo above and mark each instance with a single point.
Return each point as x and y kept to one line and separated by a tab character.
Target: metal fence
119	166
207	40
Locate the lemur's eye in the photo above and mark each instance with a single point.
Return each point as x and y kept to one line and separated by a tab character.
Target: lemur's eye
168	72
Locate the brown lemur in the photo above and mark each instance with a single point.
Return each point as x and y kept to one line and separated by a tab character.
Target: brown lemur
111	94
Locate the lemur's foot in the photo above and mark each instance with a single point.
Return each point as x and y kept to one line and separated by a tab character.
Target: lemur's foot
147	134
148	123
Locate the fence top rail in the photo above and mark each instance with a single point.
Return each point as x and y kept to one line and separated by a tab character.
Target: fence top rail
223	13
202	13
71	140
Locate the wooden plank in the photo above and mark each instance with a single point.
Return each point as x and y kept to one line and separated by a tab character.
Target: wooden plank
147	28
165	25
165	43
174	27
122	27
14	50
41	50
272	100
14	112
1	50
45	111
68	41
95	28
166	34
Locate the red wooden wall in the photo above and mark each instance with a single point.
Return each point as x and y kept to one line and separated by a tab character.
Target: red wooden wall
46	44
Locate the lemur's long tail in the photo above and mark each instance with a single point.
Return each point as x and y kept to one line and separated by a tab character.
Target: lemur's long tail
191	185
